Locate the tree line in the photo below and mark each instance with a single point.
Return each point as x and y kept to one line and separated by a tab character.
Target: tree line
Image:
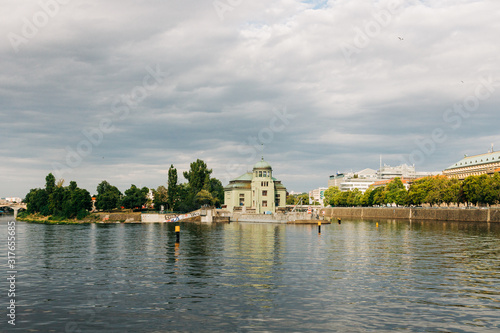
71	201
432	190
57	200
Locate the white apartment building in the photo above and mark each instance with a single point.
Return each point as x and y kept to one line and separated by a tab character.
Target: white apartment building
13	200
361	180
318	195
365	178
401	171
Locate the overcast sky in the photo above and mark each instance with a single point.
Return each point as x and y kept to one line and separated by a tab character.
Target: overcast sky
120	90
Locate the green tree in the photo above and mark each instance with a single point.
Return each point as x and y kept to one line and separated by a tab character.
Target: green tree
291	200
160	197
172	188
379	194
495	188
342	199
481	189
50	183
37	201
451	192
435	188
77	202
204	198
366	199
402	197
418	191
108	196
491	189
185	202
305	199
394	191
471	187
354	198
330	195
135	197
216	190
56	200
197	175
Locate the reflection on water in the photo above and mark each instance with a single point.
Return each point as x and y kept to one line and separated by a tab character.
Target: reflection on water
430	276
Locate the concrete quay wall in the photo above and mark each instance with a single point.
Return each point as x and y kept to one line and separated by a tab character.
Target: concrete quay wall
270	218
435	214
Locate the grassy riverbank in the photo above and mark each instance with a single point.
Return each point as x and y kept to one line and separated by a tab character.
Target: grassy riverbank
101	217
38	218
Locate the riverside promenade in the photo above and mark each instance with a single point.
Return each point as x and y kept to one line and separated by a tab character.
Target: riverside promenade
419	213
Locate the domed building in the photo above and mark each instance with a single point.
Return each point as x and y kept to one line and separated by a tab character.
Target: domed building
257	190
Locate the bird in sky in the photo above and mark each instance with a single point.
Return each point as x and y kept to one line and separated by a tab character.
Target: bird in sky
401	38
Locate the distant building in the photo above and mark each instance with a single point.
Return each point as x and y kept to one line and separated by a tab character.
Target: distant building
356	183
360	180
401	171
336	180
365	178
257	190
14	200
474	165
318	195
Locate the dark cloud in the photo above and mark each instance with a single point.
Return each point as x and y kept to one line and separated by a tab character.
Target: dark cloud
224	78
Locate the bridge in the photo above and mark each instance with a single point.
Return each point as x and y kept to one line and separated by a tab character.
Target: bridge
16	207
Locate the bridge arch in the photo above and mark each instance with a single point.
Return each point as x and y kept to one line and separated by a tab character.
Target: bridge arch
15	207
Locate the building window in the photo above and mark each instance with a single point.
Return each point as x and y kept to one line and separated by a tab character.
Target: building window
260	173
264	173
242	195
264	193
264	203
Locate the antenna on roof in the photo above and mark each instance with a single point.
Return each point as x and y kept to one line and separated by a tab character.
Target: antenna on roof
492	147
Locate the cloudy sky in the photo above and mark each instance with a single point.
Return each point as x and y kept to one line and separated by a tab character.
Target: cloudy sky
120	90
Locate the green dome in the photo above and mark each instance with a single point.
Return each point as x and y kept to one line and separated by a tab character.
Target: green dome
262	165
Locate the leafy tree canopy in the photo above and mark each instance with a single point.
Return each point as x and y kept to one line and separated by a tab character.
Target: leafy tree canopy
135	197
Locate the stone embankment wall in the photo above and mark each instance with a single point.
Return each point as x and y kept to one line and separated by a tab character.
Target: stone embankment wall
120	217
435	214
270	218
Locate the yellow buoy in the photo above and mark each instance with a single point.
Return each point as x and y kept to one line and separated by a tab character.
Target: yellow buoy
177	233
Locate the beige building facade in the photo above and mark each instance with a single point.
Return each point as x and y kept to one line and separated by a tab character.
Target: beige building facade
257	191
474	166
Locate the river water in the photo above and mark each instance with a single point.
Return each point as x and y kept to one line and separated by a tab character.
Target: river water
353	277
